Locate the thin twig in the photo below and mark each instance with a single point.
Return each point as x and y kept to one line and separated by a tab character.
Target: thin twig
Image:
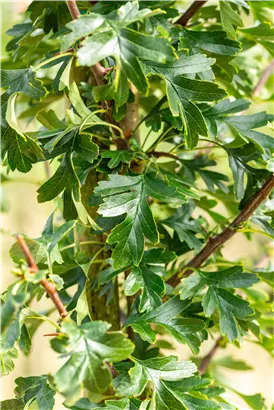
189	13
207	359
263	79
217	241
49	287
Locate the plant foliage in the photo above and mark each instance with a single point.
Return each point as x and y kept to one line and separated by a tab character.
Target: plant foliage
152	133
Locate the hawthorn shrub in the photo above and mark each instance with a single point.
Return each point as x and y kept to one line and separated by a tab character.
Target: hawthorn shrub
153	165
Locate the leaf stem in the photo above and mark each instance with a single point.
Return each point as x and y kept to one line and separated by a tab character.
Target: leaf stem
214	243
49	287
189	13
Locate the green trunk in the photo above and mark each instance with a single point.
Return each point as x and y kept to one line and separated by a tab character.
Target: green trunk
98	307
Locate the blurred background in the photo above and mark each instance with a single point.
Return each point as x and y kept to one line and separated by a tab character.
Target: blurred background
22	214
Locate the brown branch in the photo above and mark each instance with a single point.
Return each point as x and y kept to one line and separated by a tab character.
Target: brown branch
207	359
216	242
263	79
99	72
73	9
189	13
49	287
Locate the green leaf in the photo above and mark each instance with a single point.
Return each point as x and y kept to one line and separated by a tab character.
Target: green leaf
17	147
245	124
185	226
25	340
152	286
13	303
231	363
255	402
183	91
129	235
7	358
215	42
143	277
157	256
63	178
230	306
183	330
162	314
12	404
82	404
166	368
86	148
49	120
54	14
123	404
267	277
116	157
126	45
238	171
233	277
230	19
161	371
22	81
35	388
189	401
262	34
90	347
262	10
242	125
131	383
56	236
